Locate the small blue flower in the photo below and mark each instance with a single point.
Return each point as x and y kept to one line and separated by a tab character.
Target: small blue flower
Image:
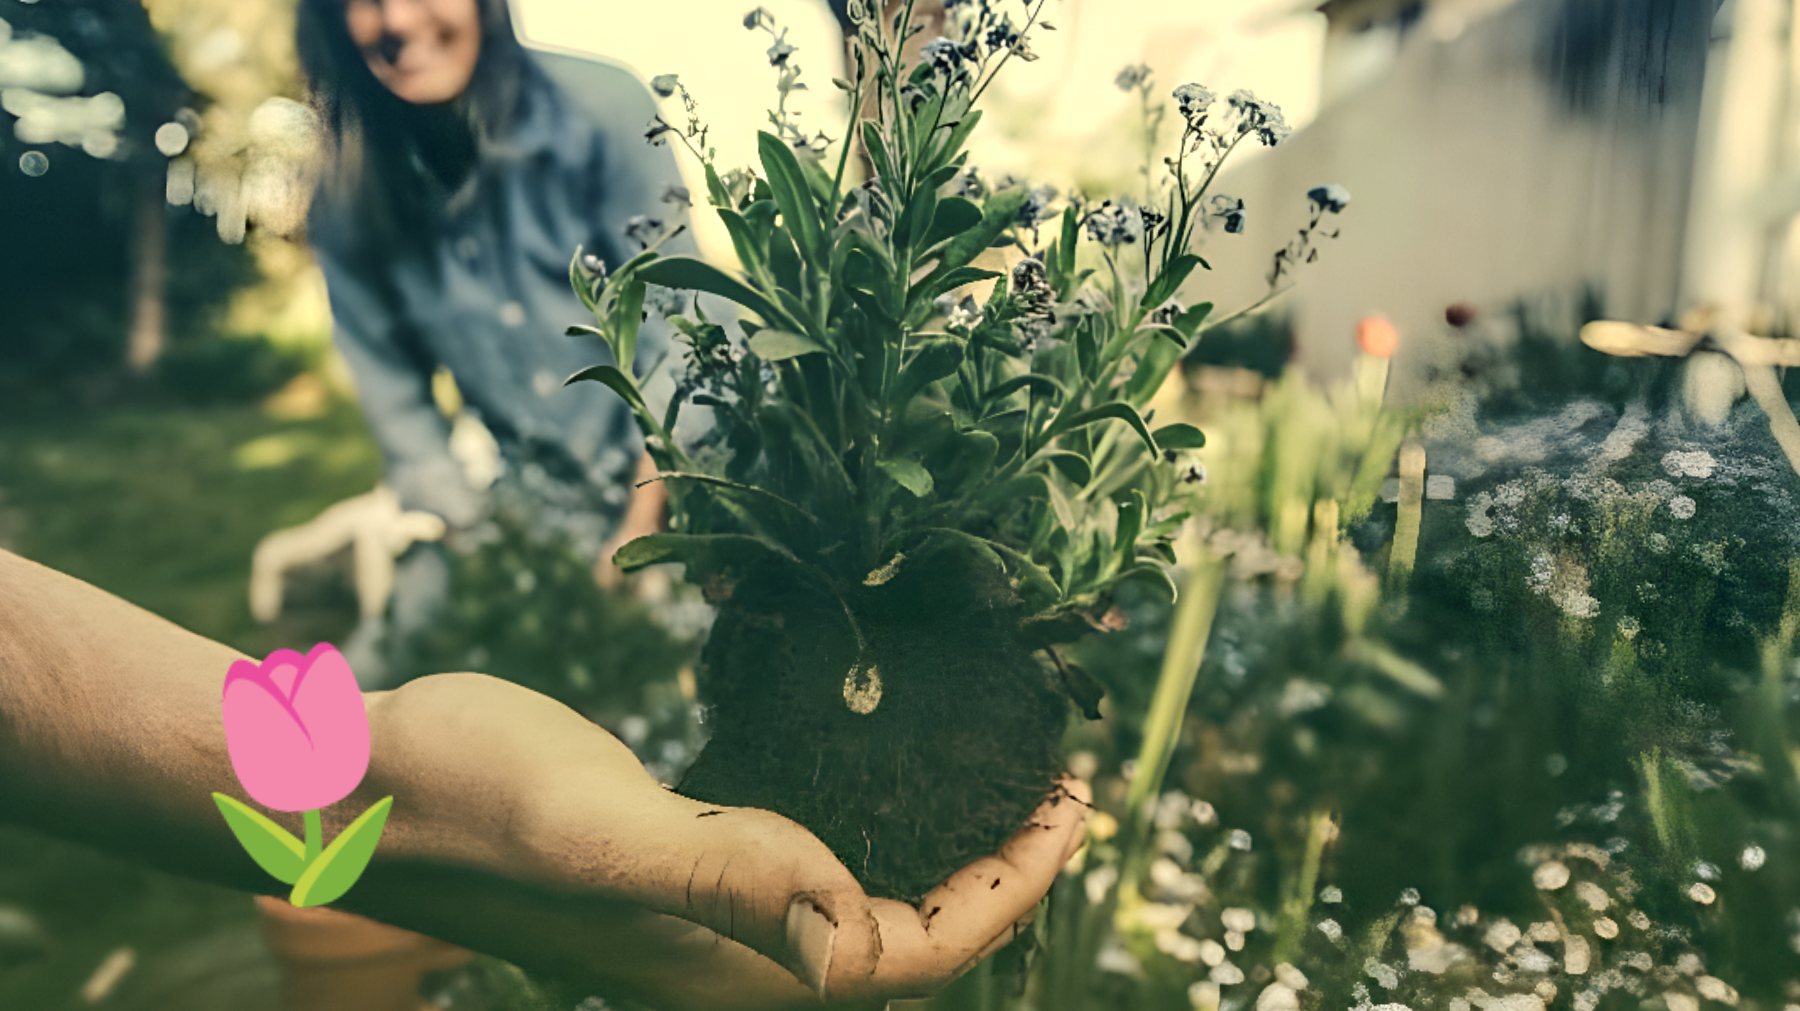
1133	77
1192	101
1259	117
1332	198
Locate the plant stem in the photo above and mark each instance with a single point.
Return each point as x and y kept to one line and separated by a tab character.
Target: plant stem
1174	686
1030	23
315	836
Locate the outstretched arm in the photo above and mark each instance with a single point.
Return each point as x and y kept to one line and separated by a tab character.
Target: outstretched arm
518	828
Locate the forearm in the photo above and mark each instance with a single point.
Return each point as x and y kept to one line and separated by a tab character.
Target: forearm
111	734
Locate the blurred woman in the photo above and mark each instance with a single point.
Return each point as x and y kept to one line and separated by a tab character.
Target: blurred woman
463	170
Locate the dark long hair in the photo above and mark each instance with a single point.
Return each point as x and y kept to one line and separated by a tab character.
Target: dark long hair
380	149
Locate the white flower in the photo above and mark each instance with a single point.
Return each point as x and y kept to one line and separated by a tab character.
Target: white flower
1192	100
1681	507
1259	117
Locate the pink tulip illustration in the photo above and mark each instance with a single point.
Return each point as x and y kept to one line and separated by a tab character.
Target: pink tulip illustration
298	735
296	729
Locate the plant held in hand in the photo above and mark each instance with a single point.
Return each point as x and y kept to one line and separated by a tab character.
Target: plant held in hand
930	464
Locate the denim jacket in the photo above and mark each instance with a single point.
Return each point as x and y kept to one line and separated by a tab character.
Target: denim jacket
573	171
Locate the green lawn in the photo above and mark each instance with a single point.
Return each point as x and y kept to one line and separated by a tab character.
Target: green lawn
163	508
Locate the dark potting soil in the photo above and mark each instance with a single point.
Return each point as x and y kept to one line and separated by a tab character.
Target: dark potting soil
959	750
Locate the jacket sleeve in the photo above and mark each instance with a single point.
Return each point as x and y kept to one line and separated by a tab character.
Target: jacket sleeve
394	388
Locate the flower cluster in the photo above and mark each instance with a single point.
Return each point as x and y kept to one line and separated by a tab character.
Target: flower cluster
1193	101
659	129
1115	224
1326	200
780	53
1229	211
1133	77
1256	116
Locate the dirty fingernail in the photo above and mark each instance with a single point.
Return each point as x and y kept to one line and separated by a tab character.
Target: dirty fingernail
810	937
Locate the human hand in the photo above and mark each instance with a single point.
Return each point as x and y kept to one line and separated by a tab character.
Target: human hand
642	893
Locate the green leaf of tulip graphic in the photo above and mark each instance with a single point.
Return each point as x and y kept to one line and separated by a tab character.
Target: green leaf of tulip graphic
273	848
336	869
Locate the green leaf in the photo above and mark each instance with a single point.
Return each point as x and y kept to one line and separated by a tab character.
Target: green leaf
697	275
1043	383
1084	688
1169	281
997	215
1033	584
736	486
1059	503
915	220
273	848
614	380
926	292
1105	412
628	317
336	869
1132	515
1152	371
1073	466
743	238
875	143
959	136
779	345
715	188
1189	322
968	463
955	215
788	181
933	360
707	551
1071	234
579	282
909	475
1180	436
1156	574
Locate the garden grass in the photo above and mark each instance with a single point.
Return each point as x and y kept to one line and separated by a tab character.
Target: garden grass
163	508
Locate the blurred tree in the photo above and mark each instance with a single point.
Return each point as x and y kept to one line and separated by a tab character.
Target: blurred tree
93	75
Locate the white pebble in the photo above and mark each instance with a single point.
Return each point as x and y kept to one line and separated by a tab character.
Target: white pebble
1714	988
1752	858
1606	928
1239	919
1502	935
1277	997
1576	955
1291	977
1702	893
1550	875
1211	952
1593	895
1226	974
